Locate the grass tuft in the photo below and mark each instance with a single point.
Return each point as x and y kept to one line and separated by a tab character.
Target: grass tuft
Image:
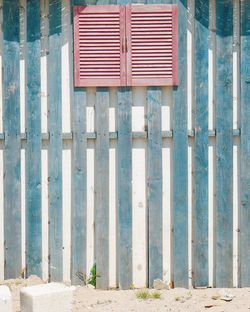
156	295
143	294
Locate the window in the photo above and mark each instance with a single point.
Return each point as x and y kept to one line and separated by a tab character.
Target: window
132	45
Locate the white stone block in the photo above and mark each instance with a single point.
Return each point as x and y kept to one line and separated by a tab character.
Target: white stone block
5	299
53	297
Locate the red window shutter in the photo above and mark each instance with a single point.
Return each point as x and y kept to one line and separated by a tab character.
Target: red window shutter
152	45
98	47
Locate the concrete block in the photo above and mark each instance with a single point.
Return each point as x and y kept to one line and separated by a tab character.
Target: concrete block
5	299
53	297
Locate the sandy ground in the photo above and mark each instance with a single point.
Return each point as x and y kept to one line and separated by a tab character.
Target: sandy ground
174	300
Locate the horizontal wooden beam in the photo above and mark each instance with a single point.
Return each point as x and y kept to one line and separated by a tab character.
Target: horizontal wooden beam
114	135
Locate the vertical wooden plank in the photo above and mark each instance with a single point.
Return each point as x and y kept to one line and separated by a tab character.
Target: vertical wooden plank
79	191
224	144
154	165
180	147
201	144
124	165
33	150
102	188
125	186
154	168
12	171
79	180
245	146
55	147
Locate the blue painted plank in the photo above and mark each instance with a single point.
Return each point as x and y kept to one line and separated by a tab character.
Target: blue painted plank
102	188
11	122
79	187
155	244
33	149
201	144
79	190
55	147
245	146
224	144
124	166
180	159
154	165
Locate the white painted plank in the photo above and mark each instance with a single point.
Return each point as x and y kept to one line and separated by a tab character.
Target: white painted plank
1	217
90	203
45	207
66	201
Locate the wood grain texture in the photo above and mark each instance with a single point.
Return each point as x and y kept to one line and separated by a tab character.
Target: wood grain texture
224	144
79	189
200	258
154	171
180	160
154	178
124	166
245	146
102	188
33	150
55	146
11	124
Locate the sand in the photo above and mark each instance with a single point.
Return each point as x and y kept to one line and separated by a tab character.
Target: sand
174	300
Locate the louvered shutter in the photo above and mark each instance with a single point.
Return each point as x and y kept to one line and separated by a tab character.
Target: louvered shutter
152	45
98	46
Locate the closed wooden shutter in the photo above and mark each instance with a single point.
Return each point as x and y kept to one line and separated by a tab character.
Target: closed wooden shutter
132	45
98	47
152	45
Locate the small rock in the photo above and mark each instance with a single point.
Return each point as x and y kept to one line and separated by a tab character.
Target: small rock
226	298
159	285
226	295
209	305
90	286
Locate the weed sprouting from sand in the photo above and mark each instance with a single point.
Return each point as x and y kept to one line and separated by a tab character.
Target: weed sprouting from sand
156	295
144	294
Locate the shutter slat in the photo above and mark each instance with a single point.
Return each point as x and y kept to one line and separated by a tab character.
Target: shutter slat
152	45
99	60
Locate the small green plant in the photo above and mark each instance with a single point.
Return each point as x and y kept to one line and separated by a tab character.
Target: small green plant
143	294
156	295
92	278
132	287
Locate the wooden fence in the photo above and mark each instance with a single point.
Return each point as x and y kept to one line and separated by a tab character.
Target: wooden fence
145	182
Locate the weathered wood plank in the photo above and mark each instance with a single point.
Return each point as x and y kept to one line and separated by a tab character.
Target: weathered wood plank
124	165
55	147
224	144
11	123
125	265
155	245
245	146
180	150
102	188
154	165
33	149
200	258
79	182
79	190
